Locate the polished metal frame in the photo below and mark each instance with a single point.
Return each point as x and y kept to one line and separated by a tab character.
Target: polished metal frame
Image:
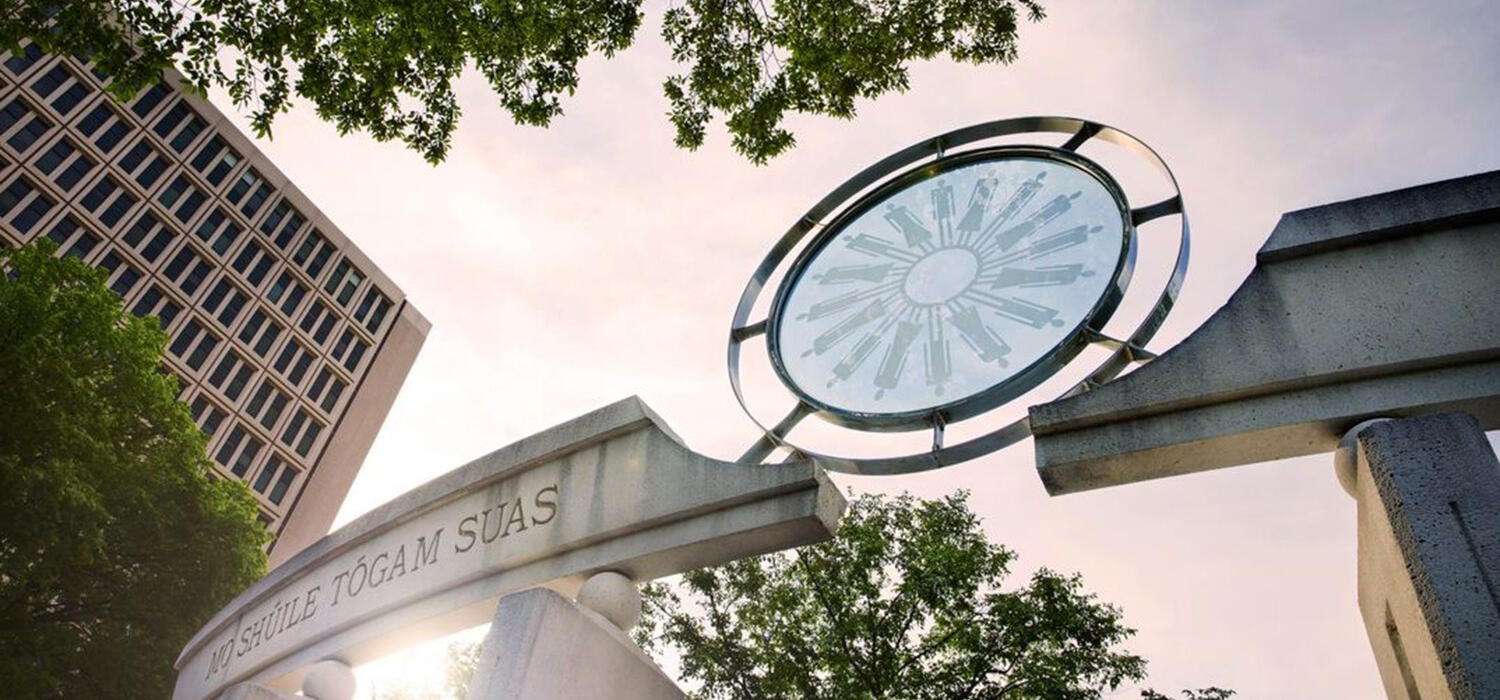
935	153
969	406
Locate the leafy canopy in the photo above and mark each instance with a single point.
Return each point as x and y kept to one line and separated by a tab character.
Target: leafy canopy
905	602
387	67
115	544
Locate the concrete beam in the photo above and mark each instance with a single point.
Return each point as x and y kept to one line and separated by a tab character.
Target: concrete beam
1378	306
613	490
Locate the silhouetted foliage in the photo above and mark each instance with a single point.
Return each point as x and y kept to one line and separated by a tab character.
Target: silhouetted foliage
115	543
387	67
907	601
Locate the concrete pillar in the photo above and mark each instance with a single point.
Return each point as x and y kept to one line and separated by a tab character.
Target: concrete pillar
1428	494
543	646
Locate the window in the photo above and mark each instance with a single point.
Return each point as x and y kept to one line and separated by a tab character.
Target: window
218	231
149	100
65	164
230	375
156	302
260	332
104	127
278	476
144	164
19	63
250	192
266	404
72	238
55	156
183	116
187	270
148	236
225	301
344	281
121	276
372	310
188	134
288	219
215	160
293	361
301	432
24	126
188	199
287	291
108	201
238	451
313	253
350	350
24	205
61	88
207	416
318	321
172	119
268	473
193	344
326	389
252	262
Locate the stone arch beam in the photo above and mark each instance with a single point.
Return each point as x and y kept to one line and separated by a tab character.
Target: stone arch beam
1386	305
613	490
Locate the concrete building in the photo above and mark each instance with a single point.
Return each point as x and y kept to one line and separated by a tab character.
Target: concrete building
288	342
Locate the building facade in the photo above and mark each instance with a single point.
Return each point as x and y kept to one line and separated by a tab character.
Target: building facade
288	343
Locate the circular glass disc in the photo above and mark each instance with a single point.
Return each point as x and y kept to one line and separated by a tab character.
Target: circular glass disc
957	282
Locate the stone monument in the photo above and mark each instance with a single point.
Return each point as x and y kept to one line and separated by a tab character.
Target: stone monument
932	288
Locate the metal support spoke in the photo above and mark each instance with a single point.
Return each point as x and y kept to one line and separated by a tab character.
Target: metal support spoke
773	437
1133	352
1084	133
743	333
1166	207
938	426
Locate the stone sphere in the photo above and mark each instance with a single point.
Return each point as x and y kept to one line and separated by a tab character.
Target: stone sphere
329	680
614	596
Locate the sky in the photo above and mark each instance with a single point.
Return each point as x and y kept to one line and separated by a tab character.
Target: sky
568	267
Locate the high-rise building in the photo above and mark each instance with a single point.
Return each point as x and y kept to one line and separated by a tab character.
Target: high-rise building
289	344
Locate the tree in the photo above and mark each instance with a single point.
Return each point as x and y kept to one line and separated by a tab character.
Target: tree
905	602
115	544
387	66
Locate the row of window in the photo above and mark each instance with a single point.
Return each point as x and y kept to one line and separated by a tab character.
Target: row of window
23	204
238	452
109	203
68	165
225	301
267	404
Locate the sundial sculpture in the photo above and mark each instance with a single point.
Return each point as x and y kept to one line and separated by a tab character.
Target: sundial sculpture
953	277
925	293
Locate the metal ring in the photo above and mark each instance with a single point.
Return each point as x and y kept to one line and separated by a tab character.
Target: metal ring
940	148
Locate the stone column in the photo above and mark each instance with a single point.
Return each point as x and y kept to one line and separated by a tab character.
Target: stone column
1428	493
543	646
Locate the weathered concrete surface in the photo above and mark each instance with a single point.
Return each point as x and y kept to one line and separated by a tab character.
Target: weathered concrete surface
251	691
1386	305
613	490
1428	491
544	647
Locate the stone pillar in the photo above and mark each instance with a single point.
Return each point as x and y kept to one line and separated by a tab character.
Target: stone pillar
1428	493
543	646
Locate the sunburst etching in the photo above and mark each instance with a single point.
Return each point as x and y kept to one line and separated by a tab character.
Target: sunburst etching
916	276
